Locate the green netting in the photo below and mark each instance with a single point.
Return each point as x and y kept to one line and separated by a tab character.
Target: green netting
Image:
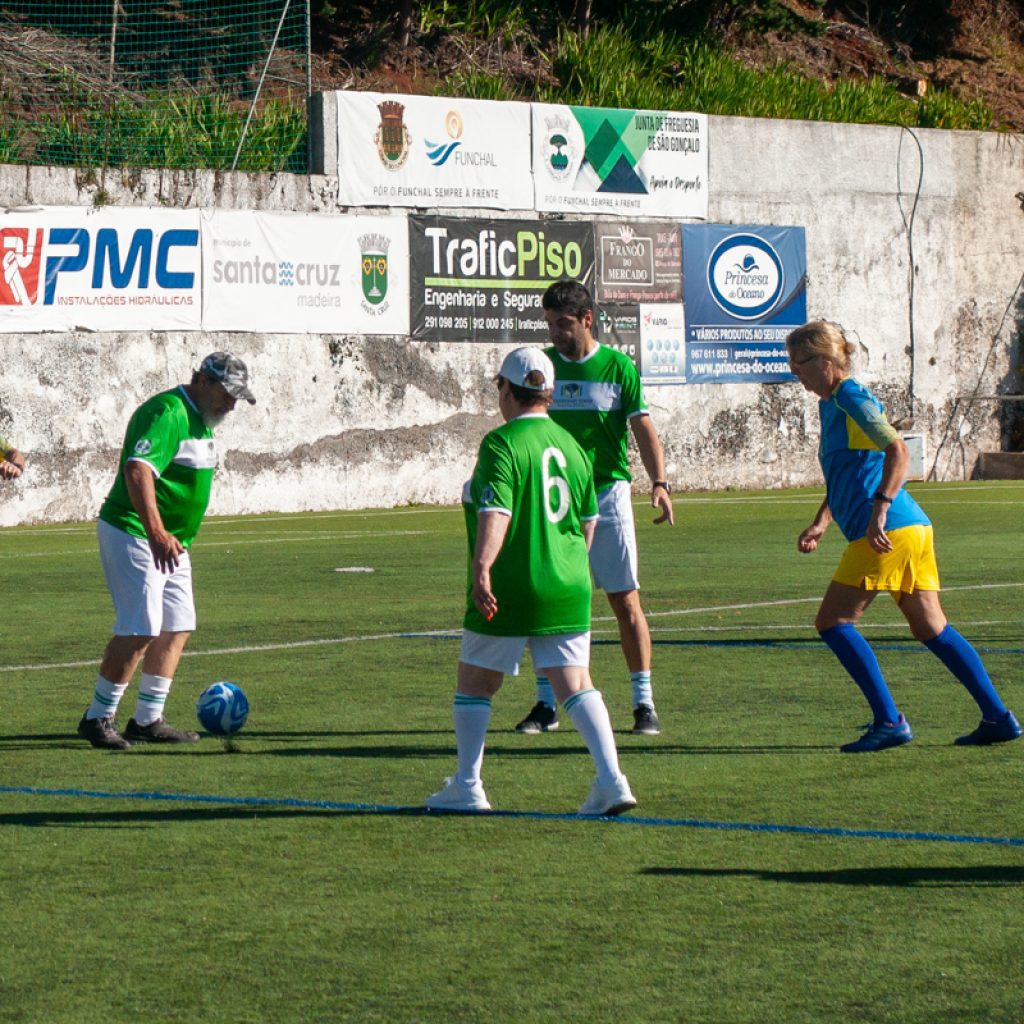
155	83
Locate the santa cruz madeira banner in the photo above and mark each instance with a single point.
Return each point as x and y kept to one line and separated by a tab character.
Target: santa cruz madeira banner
105	269
646	163
305	274
482	280
745	290
396	150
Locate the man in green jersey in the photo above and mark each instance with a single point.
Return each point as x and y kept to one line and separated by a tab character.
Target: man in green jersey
146	527
12	462
599	399
530	511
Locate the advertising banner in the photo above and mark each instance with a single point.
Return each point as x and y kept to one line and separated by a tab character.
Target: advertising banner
295	273
745	290
396	150
638	261
651	334
105	269
646	163
482	280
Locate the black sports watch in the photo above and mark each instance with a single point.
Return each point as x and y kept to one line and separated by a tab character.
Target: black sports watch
662	483
879	496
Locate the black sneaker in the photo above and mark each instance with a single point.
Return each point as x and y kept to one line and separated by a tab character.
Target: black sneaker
645	721
542	718
100	732
1002	730
157	732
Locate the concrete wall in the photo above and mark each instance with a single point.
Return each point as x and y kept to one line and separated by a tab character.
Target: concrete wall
349	422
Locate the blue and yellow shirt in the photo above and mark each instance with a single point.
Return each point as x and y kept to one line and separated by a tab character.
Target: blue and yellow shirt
854	436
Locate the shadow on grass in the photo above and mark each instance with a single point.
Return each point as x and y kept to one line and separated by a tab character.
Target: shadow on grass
629	745
136	818
986	875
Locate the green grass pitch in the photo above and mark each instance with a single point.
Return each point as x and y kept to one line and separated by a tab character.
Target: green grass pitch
347	905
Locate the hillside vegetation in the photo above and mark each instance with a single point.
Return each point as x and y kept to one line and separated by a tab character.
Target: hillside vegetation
935	63
176	100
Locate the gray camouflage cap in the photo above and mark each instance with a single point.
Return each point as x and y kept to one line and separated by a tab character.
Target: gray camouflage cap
230	372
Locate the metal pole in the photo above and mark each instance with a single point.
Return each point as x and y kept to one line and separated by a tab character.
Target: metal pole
259	87
115	8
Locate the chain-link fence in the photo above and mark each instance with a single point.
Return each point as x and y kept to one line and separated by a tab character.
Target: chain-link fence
155	83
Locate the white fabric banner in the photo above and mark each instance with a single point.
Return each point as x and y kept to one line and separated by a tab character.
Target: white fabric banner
106	269
634	163
304	273
430	151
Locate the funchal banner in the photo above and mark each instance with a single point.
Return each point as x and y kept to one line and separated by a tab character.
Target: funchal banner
482	280
745	290
306	274
106	269
636	163
396	150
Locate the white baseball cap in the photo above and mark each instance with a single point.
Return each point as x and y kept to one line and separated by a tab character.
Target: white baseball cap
522	367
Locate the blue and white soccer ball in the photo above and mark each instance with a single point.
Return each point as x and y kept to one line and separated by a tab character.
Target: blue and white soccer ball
222	708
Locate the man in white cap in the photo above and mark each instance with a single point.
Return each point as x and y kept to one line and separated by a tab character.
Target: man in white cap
530	515
146	527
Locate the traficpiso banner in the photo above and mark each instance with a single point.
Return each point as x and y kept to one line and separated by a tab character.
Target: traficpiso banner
745	290
396	150
305	274
633	163
482	280
105	269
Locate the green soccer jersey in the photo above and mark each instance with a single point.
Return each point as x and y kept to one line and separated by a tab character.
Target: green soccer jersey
533	471
594	400
168	433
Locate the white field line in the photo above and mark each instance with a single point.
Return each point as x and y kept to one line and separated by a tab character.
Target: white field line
291	538
435	633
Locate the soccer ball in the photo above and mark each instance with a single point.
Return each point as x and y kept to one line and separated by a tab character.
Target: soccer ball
222	708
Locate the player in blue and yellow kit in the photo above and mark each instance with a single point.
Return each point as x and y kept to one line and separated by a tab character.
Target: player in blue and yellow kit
890	544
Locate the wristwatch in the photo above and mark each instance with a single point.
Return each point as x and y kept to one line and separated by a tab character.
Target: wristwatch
879	496
662	483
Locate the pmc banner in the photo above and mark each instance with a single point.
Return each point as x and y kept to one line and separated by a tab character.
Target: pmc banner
100	270
745	290
482	280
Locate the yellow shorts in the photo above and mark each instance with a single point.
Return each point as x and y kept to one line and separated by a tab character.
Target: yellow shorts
908	567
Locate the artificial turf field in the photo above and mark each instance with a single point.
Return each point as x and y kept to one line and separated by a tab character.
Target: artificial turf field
290	876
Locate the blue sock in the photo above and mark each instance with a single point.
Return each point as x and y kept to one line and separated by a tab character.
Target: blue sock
962	660
545	695
855	655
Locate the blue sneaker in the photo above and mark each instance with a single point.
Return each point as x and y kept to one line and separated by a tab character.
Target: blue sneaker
879	736
1002	730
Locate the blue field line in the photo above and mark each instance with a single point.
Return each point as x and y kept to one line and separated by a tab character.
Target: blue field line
699	823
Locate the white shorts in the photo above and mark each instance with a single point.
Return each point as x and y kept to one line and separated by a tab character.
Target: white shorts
613	552
502	653
146	600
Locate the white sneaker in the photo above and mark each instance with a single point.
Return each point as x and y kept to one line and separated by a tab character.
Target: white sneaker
605	801
457	796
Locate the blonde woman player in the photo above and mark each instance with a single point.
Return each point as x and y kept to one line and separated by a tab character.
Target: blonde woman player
890	545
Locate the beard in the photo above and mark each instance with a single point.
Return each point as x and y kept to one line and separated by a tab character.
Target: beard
213	419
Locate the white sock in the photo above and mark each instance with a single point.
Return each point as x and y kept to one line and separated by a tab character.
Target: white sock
472	716
590	716
642	691
105	698
149	707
